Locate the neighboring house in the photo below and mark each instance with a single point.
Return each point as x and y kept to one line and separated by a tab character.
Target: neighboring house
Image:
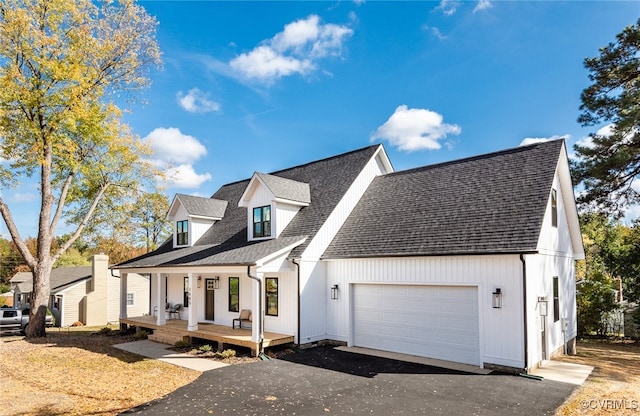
469	261
87	294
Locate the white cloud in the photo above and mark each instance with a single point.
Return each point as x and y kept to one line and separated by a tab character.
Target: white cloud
411	129
185	176
295	50
483	5
175	153
196	101
533	140
448	7
434	31
171	145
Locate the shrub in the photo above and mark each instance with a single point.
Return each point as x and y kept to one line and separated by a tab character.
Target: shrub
182	344
140	335
226	354
105	331
205	348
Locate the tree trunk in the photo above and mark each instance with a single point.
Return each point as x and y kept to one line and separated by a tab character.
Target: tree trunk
39	298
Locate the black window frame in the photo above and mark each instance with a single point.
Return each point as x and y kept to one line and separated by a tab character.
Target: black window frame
262	228
185	298
182	233
231	295
554	208
556	299
271	294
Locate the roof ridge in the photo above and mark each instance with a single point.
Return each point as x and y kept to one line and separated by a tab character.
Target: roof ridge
489	155
274	173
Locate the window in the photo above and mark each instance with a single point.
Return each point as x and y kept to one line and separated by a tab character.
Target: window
130	299
271	295
234	294
262	222
182	233
554	208
556	300
185	300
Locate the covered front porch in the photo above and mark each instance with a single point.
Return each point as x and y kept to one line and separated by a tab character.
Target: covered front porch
177	328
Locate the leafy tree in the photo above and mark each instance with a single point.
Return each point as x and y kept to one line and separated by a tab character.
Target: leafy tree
62	64
149	214
609	164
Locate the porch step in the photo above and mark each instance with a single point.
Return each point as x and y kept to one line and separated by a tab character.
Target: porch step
165	337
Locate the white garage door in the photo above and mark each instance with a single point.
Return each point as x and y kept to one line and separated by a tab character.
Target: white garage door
429	321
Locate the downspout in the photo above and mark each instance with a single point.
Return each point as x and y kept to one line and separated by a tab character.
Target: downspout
298	268
524	310
260	317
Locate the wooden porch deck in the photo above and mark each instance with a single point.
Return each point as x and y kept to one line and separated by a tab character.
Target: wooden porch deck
177	328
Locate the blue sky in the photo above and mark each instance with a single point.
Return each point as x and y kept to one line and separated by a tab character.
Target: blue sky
261	86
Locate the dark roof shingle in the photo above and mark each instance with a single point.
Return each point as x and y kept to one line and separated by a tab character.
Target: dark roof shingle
493	203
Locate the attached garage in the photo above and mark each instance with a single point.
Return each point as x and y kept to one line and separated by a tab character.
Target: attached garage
430	321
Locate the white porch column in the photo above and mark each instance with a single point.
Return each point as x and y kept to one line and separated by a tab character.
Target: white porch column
256	323
160	317
123	295
193	307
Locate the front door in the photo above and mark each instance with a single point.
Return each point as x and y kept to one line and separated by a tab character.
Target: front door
209	300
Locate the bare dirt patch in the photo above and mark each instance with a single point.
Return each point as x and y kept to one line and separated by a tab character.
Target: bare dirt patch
614	385
78	372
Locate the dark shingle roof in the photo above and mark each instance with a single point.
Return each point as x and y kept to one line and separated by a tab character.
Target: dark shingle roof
61	278
204	207
286	188
493	203
328	179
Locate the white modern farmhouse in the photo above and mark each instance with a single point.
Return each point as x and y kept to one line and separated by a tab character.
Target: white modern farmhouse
469	261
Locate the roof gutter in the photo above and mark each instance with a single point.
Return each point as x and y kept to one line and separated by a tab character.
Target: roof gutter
260	316
524	312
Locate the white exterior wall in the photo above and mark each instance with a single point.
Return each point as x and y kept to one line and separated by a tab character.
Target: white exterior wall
556	258
501	330
284	213
136	284
197	227
72	302
314	287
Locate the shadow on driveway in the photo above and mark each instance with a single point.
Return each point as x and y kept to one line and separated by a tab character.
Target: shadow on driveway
323	380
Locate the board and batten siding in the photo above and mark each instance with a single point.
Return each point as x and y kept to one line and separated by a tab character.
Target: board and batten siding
501	330
314	286
197	227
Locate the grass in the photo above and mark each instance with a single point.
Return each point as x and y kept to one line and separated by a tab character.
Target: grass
77	371
614	384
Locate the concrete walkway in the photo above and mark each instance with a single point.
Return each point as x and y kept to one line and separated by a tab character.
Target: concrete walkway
565	372
162	352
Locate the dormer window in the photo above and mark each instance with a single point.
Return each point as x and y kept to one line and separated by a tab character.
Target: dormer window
262	222
182	233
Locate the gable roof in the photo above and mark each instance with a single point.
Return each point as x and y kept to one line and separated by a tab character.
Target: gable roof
282	188
328	180
493	203
201	207
61	278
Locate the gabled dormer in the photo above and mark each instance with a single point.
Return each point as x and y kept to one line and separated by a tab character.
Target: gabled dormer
271	203
192	216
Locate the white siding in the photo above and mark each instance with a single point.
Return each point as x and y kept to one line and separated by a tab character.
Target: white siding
260	197
342	211
314	292
501	330
197	227
136	284
180	215
284	213
73	303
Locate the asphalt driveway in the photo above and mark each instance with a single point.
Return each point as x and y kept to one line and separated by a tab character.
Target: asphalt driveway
323	381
